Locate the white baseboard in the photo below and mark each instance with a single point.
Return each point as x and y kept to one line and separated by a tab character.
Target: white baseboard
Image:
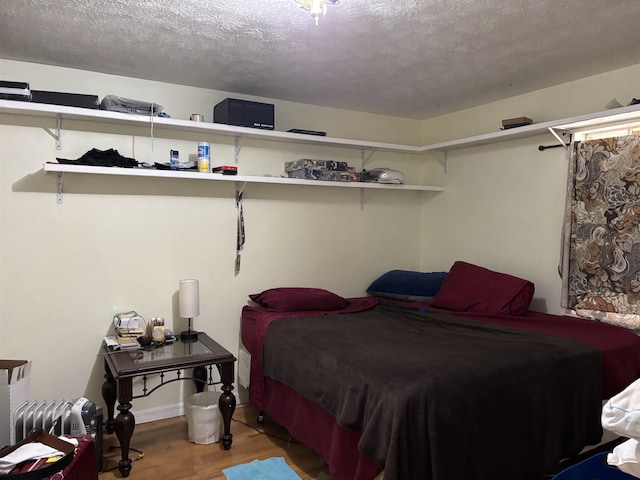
159	413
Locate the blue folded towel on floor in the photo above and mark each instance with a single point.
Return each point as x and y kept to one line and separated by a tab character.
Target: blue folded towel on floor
274	468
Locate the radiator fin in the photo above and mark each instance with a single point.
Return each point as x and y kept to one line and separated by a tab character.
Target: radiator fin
53	416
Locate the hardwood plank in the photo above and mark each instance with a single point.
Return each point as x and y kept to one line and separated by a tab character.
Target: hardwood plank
168	453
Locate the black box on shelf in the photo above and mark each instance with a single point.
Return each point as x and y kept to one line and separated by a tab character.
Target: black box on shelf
243	113
307	132
516	122
15	91
225	170
65	99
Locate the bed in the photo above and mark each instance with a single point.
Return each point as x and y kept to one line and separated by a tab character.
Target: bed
407	386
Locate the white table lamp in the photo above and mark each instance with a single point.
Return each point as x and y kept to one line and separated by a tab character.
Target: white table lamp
189	294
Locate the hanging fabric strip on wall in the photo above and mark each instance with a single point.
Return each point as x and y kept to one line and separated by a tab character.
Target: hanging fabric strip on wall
600	263
240	234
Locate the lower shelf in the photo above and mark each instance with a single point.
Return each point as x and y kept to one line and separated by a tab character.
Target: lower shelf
192	175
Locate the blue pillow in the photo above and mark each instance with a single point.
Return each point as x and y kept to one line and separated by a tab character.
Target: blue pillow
407	285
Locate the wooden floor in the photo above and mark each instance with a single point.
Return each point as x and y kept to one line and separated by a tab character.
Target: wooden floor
167	453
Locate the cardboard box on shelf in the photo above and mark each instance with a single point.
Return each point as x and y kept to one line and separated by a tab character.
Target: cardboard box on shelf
15	381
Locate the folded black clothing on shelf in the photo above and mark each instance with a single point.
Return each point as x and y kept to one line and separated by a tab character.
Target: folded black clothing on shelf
102	158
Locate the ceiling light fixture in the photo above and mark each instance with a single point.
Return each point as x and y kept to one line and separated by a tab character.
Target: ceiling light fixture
317	8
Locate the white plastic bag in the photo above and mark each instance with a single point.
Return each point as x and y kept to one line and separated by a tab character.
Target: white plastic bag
625	457
203	418
128	105
621	414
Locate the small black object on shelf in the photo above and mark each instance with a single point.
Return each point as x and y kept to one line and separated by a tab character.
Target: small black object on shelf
307	132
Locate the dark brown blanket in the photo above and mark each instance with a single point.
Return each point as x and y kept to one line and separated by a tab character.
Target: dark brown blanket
441	397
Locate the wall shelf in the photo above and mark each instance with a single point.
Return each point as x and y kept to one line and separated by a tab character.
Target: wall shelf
607	117
103	117
194	175
60	113
570	124
126	119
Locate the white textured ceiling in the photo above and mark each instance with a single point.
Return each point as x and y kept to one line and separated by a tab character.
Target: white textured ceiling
408	58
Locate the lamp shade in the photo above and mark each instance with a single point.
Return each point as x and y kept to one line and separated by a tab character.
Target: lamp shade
189	294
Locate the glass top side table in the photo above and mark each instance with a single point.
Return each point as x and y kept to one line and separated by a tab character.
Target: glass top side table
122	366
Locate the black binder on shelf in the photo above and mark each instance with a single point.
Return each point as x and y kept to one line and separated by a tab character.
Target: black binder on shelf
66	99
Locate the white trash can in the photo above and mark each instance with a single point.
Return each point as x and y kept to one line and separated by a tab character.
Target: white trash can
204	418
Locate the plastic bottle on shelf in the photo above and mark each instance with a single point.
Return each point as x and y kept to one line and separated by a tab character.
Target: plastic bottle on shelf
204	157
174	159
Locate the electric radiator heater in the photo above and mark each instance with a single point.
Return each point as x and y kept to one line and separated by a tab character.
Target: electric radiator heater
71	417
63	417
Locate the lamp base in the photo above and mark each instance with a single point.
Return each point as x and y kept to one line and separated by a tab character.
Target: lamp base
189	336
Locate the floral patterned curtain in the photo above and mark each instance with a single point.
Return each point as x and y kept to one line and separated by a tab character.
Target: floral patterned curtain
600	263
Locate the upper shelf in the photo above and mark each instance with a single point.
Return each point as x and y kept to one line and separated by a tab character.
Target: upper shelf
617	115
105	116
570	124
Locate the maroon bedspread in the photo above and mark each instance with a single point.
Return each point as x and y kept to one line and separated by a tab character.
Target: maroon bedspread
620	353
254	341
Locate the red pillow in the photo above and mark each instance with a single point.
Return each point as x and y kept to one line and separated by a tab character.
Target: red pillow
470	288
286	299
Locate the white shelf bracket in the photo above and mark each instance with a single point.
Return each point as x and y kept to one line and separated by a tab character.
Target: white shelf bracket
237	146
365	158
443	162
56	135
561	137
59	188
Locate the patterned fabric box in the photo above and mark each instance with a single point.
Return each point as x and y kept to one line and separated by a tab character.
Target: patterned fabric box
327	175
305	163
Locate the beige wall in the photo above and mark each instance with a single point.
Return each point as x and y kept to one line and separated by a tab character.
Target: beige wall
503	203
120	243
124	243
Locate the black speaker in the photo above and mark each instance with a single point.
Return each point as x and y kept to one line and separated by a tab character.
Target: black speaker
243	113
